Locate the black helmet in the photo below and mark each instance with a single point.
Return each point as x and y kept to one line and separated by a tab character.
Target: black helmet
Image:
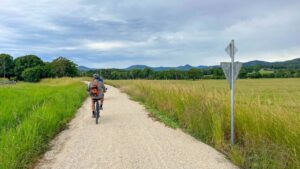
95	76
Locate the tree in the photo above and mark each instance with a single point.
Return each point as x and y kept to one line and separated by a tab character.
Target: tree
243	73
136	73
297	74
24	62
280	73
61	67
218	73
115	75
48	72
147	72
33	74
195	74
6	65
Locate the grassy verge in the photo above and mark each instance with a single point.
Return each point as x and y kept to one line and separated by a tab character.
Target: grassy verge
266	119
32	114
156	114
162	117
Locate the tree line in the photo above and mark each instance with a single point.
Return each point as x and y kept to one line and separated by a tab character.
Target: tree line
31	68
193	74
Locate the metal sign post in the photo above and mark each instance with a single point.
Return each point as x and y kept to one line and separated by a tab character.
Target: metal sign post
232	93
231	70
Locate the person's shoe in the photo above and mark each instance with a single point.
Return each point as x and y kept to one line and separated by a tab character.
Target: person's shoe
94	114
101	107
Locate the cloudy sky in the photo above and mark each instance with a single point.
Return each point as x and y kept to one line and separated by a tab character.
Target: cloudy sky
120	33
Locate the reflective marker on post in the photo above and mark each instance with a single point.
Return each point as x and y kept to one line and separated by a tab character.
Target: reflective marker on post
231	71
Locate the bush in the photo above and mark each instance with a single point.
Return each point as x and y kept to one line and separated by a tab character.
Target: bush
62	67
25	62
33	74
6	65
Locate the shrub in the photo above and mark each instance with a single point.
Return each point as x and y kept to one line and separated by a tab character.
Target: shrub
33	74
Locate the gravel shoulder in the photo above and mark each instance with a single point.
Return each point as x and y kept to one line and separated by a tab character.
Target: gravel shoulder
126	138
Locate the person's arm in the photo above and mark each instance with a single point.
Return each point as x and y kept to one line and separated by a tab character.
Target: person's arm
103	87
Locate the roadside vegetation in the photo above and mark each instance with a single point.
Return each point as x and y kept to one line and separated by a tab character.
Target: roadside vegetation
267	116
31	68
32	114
253	70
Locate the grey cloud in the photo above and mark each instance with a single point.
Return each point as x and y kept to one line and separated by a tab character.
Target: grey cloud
150	31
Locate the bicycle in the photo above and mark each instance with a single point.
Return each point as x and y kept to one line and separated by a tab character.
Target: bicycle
97	109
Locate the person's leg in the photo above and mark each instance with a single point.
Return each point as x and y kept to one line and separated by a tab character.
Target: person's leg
102	100
101	106
93	107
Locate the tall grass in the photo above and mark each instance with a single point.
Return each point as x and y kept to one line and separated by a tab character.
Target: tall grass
267	116
32	114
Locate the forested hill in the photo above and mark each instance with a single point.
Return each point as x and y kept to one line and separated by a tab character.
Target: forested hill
294	64
290	64
185	67
253	69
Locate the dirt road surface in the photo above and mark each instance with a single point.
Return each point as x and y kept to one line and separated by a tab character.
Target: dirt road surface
126	138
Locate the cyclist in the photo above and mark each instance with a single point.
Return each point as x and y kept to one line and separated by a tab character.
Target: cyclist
96	90
100	79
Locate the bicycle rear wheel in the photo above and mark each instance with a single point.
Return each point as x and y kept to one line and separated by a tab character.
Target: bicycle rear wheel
97	111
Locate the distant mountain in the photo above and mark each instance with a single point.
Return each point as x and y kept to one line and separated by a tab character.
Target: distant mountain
257	62
185	67
203	67
83	68
293	61
141	67
293	64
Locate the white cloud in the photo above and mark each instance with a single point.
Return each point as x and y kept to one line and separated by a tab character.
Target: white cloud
106	46
120	44
278	55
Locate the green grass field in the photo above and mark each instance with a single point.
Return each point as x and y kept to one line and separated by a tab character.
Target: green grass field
32	114
267	116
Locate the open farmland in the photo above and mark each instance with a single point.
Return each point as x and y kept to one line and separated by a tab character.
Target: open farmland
267	116
32	114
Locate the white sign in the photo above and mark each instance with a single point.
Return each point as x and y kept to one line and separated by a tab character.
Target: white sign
226	66
229	49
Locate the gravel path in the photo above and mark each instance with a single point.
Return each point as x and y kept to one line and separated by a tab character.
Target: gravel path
126	138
